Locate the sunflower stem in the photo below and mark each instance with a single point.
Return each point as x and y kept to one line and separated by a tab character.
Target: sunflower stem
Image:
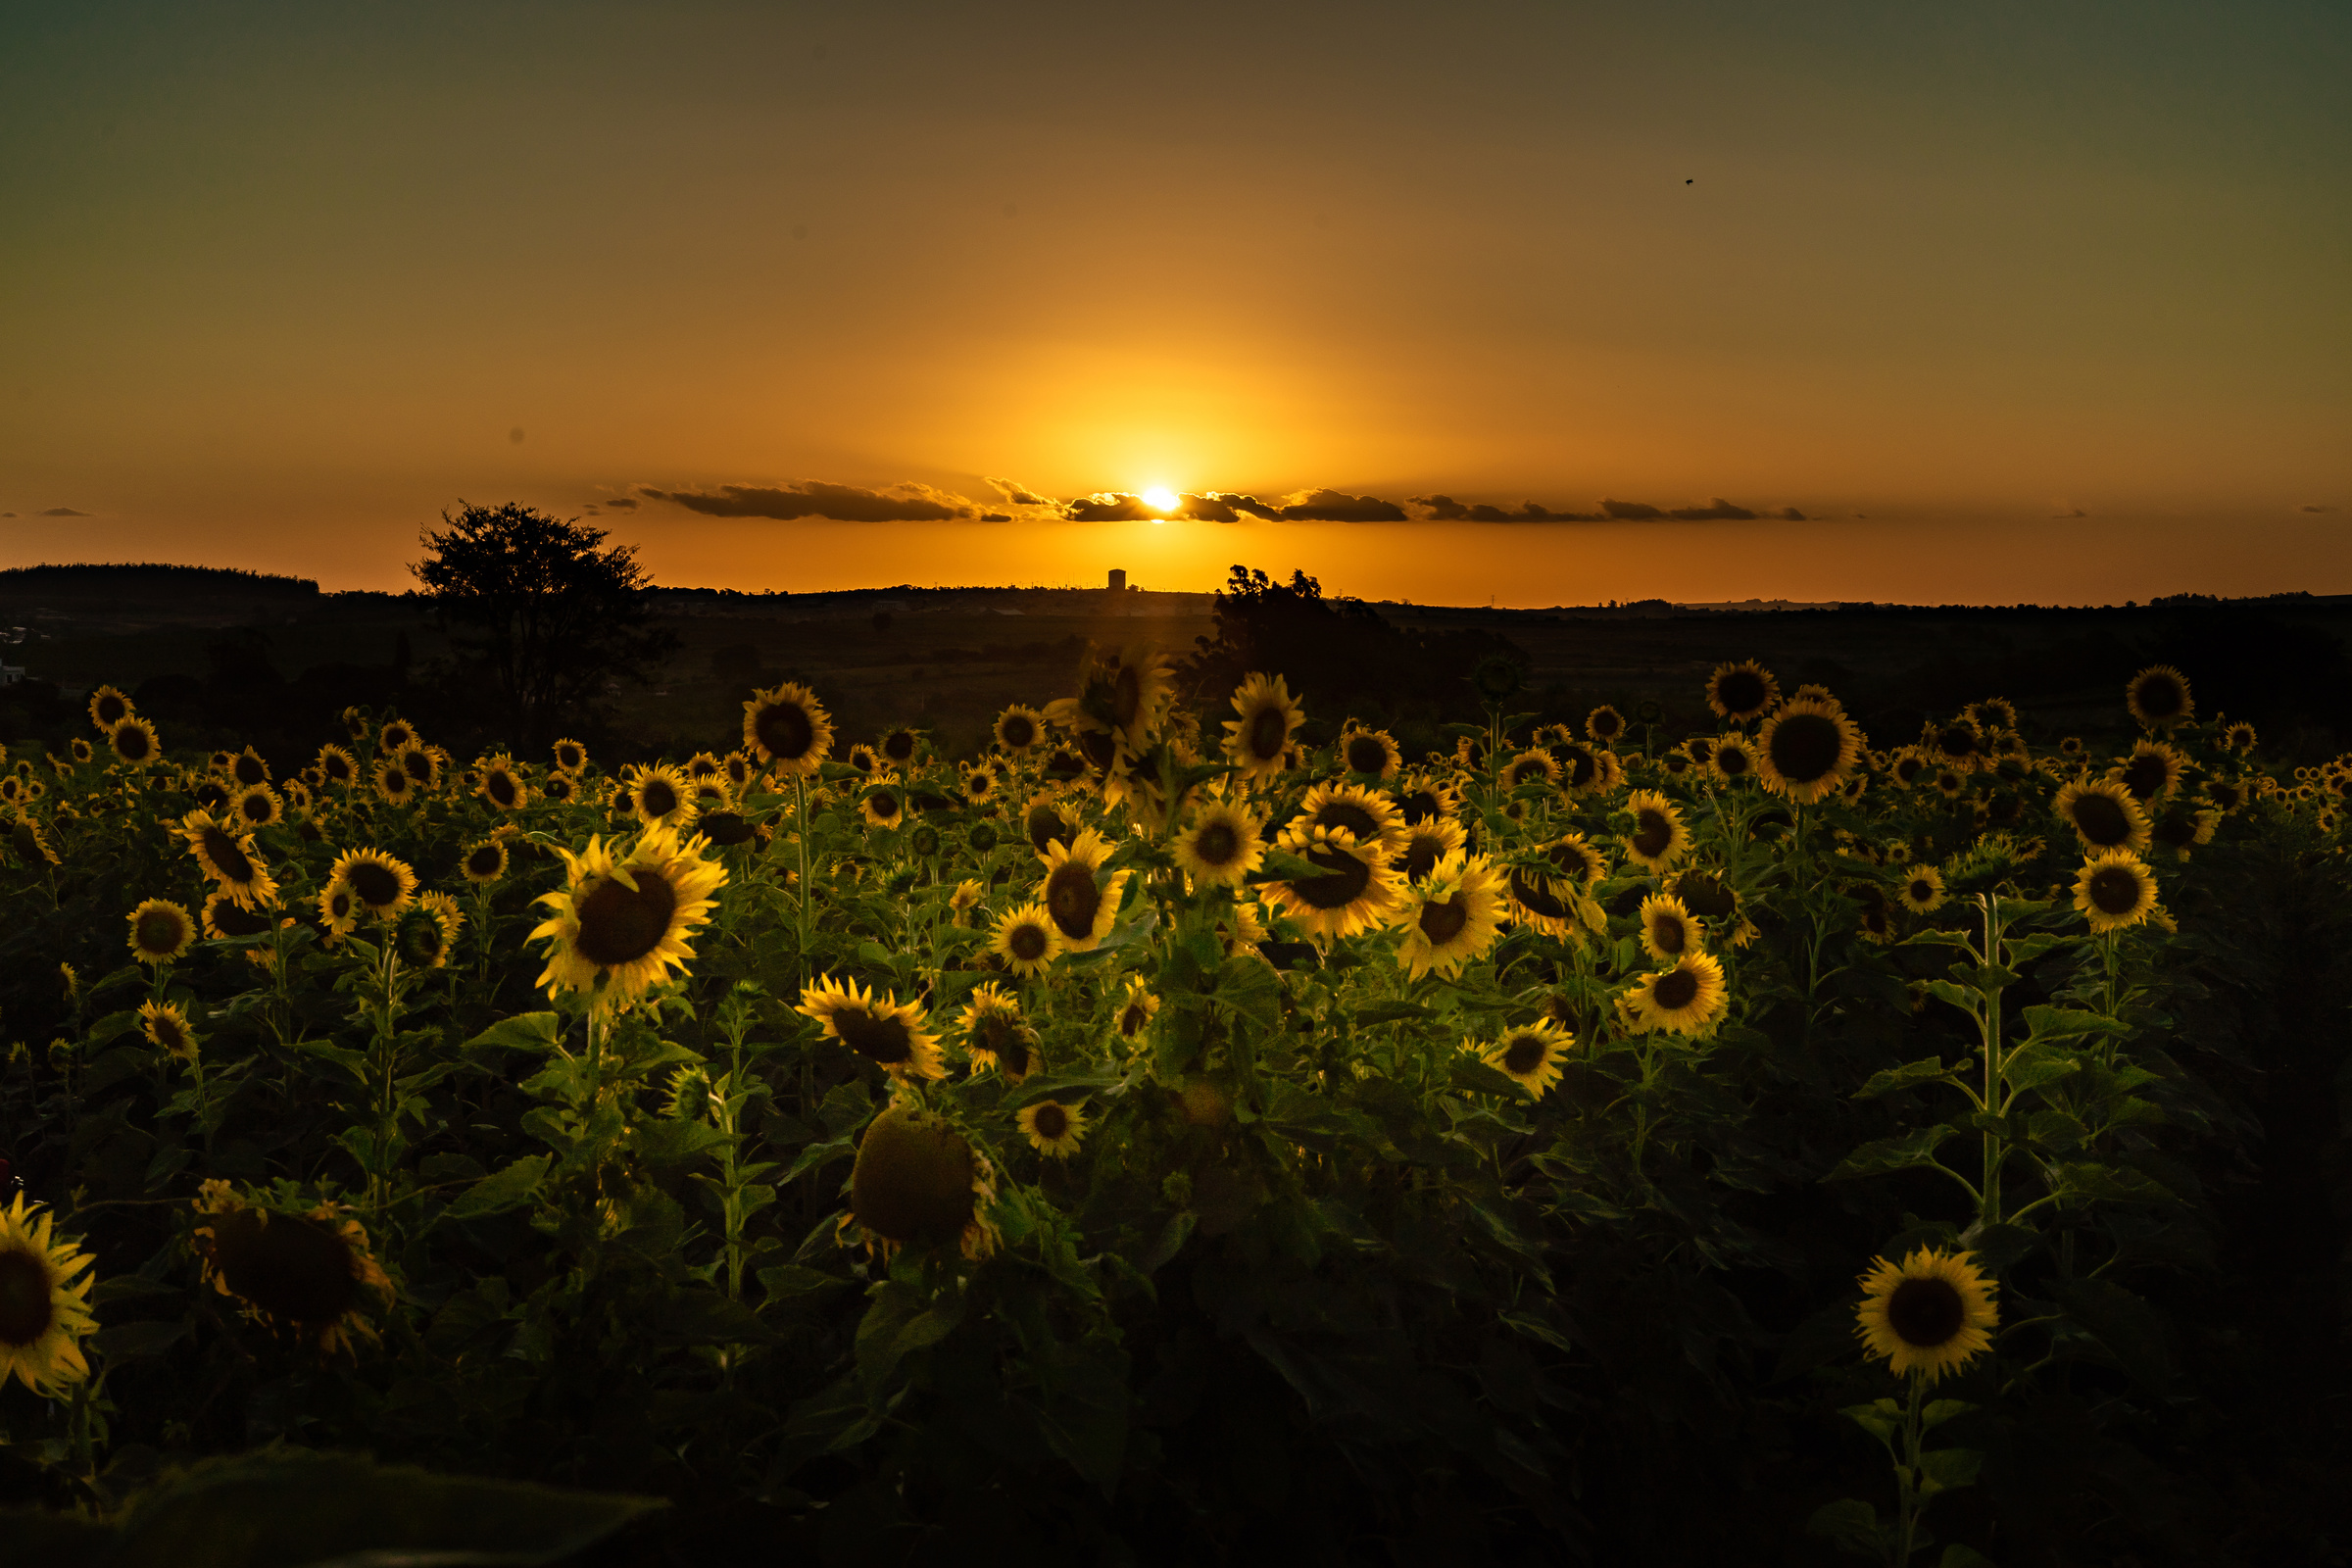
1910	1502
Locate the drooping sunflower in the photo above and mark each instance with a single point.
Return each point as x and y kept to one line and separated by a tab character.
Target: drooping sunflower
2114	890
1135	1010
25	836
1053	1128
428	931
255	806
1368	813
1668	928
1223	843
109	707
1657	838
134	741
1688	999
1450	917
1425	842
994	1030
44	1310
1742	691
501	784
485	862
876	1025
619	924
2159	697
1531	1055
303	1275
918	1183
1354	890
222	918
2103	814
1082	902
1259	740
166	1027
1808	750
1019	730
160	931
1922	891
2152	772
1371	752
383	884
229	858
787	726
1928	1316
864	758
1026	940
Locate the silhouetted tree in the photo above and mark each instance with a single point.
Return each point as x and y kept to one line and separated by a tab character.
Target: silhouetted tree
541	612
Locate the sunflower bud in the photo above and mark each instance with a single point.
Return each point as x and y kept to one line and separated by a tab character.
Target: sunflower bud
913	1178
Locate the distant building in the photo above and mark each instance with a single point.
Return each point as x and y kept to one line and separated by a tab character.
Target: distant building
1118	580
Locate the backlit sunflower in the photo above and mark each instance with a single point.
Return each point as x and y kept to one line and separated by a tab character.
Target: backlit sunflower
134	741
485	862
918	1183
2103	814
393	783
1135	1010
249	767
1450	917
877	1026
1053	1128
1020	730
167	1029
383	884
1807	749
1371	752
1082	902
1668	928
1354	890
787	725
2115	890
1930	1316
1532	767
428	931
303	1275
2184	827
160	931
659	795
619	924
31	845
109	707
257	806
1426	844
228	855
1957	744
569	755
1688	999
2159	697
1421	796
395	737
2239	737
1140	690
1657	838
501	784
1368	813
44	1312
1742	691
1026	940
1260	738
1922	891
1223	843
1732	757
995	1035
2152	772
421	764
560	787
1531	1055
222	918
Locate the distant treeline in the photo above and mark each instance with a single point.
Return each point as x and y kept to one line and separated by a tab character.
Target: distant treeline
111	579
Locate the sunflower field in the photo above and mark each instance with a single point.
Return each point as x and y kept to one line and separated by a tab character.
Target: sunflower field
1190	1130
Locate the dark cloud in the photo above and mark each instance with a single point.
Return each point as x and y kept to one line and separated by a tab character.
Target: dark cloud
1629	510
1786	514
1445	508
619	503
1330	506
995	516
2069	514
1716	510
842	503
64	512
2315	508
1019	494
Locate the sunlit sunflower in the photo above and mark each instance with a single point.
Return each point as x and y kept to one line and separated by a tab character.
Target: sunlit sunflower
787	726
1135	1010
659	795
224	918
1807	750
2152	772
1451	915
1371	752
2159	697
44	1310
995	1035
2103	814
1533	766
338	910
383	884
134	741
560	787
1657	838
1354	890
1421	796
1930	1316
1026	940
501	784
393	783
228	855
1742	691
1668	928
1531	1055
1223	843
428	931
160	931
979	783
883	806
2114	890
879	1027
255	806
167	1029
396	736
1922	891
1082	902
108	707
485	862
303	1275
1425	844
1688	999
918	1183
1732	757
1019	730
1368	813
1053	1128
1260	738
619	924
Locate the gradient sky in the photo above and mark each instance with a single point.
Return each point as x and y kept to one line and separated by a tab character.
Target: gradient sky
2011	301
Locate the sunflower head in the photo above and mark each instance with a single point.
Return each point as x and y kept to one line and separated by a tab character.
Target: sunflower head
166	1027
485	862
1260	738
307	1275
788	727
1370	752
914	1180
1352	888
1053	1128
619	927
2103	813
44	1309
2159	697
1656	836
1742	691
134	741
1020	730
1531	1055
885	1031
1807	750
1688	999
160	931
383	884
2115	890
1081	901
1223	843
109	707
1451	915
1929	1315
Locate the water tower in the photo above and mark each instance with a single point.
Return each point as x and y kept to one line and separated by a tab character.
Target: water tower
1118	580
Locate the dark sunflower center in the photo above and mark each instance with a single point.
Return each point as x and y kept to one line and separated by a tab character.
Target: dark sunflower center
249	771
1908	769
1441	920
1366	755
728	827
1524	1054
1072	899
1526	772
1017	732
339	905
899	746
1052	1121
483	862
237	922
1731	762
1577	764
26	1304
169	1034
111	710
395	737
884	804
231	860
1922	890
567	756
1805	747
1676	763
1046	826
417	767
2100	819
1675	990
502	788
396	783
1027	941
1420	806
1217	844
254	809
1705	895
1605	723
1099	748
1741	691
1351	816
1925	1313
1537	898
559	788
884	1040
292	1268
657	798
1267	734
1421	853
619	925
376	884
1061	765
1132	1018
1653	833
2115	889
785	729
2161	697
337	770
1126	696
2224	796
1013	1051
209	795
2144	775
130	743
1343	880
1667	930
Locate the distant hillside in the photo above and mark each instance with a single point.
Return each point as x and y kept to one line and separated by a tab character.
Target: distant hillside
146	579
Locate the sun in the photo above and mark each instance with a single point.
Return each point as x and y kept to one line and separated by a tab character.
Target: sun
1160	499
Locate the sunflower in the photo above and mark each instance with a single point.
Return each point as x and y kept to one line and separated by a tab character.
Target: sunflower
1140	687
134	740
1371	752
1531	1055
619	924
1239	932
109	707
393	783
227	856
338	910
1668	928
1742	691
1136	1011
2159	697
1532	767
1260	738
299	1274
485	862
917	1183
1657	838
1929	1316
1958	745
395	737
1019	730
1053	1128
1047	820
2103	814
864	758
167	1029
1922	891
993	1029
1223	843
979	783
787	725
160	931
501	784
211	795
1688	999
31	845
560	787
966	898
1082	902
429	932
739	771
2152	772
1732	758
43	1312
2239	737
1368	814
223	919
423	766
382	884
1604	725
1450	917
248	768
1354	890
882	806
878	1026
1426	844
2184	829
1026	940
659	795
1809	749
2114	890
255	806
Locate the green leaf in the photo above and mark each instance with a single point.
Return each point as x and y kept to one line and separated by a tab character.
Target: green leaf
1956	1555
127	1341
1948	1469
1925	1071
2066	1023
1903	1151
2126	1326
1084	1410
1851	1525
1881	1418
788	1281
538	1032
668	1143
1999	1246
2036	1063
1391	1012
2089	1183
499	1191
1938	1411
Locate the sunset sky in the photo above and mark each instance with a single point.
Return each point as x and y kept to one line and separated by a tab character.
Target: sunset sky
2037	301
